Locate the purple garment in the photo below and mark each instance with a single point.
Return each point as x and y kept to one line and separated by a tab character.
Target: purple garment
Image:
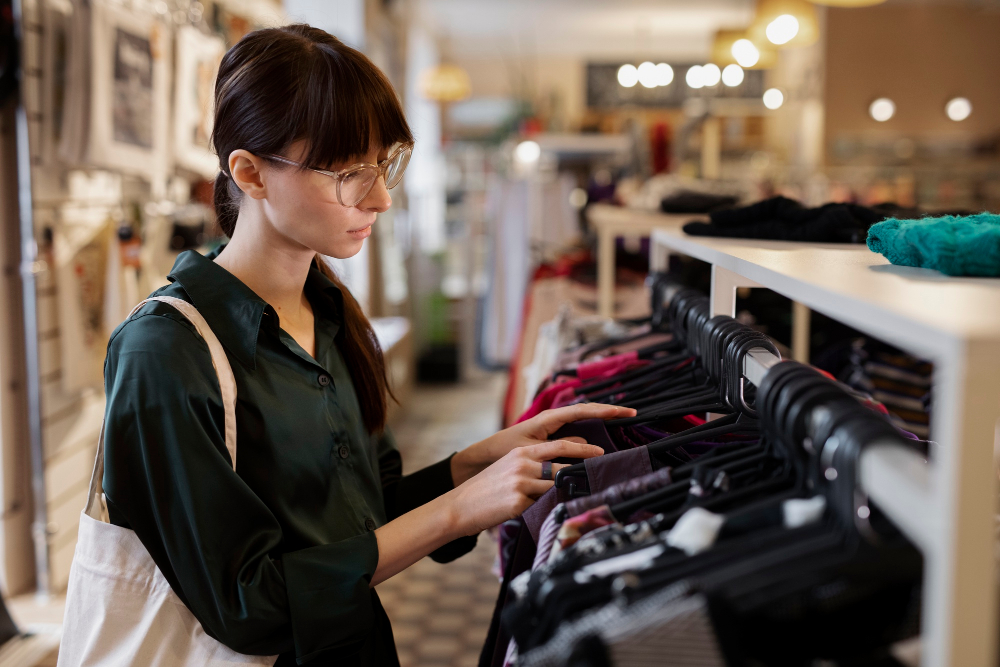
591	430
610	469
613	495
602	472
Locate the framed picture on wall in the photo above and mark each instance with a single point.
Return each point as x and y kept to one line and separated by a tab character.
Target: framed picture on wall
55	75
130	100
198	58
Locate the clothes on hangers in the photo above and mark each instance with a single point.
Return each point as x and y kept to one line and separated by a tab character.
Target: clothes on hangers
784	219
953	245
736	518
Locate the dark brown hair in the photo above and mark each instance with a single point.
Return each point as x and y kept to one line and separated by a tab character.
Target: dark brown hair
281	85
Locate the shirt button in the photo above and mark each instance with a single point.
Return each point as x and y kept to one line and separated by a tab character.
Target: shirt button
324	379
344	452
369	524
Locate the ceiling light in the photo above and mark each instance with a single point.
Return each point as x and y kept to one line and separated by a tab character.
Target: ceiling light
732	75
628	75
882	109
745	52
647	74
695	77
528	151
722	49
710	74
664	74
784	22
958	108
773	98
782	29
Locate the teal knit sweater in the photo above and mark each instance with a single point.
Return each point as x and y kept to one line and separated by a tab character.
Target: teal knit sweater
956	246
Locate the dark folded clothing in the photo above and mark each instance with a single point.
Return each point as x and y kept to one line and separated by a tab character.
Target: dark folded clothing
784	219
688	201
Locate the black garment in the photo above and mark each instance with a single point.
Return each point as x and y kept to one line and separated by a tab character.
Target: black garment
783	219
687	201
276	558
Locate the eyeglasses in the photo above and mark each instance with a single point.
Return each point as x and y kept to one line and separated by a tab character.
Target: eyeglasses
355	182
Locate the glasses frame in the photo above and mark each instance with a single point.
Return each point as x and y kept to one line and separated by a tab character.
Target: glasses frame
340	175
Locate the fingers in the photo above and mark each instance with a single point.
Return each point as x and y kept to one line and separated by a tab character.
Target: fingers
575	438
551	420
556	467
554	449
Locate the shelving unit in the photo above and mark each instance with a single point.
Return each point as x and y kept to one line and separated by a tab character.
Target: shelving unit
947	506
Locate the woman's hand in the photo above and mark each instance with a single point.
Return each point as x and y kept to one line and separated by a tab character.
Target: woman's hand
475	458
509	486
500	492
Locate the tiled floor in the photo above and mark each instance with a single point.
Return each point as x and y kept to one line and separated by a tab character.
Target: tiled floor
440	613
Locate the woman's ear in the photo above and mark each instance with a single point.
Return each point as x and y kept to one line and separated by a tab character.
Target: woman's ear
246	170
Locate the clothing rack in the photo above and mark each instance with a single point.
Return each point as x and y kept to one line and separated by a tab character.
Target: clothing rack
947	503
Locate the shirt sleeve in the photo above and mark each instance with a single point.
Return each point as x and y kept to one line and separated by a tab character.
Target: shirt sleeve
168	475
403	493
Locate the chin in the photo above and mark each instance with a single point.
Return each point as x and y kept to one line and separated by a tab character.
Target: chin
344	250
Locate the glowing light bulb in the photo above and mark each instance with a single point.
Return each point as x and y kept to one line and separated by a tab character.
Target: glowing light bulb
647	74
745	52
710	74
773	98
882	109
695	77
528	152
664	74
958	109
732	75
628	75
782	29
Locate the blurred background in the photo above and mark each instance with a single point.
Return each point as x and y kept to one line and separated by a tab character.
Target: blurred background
527	115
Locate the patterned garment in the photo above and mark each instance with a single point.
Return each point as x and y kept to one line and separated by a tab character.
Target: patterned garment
576	527
669	627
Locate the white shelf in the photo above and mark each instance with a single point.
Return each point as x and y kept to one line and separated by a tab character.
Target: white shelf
947	507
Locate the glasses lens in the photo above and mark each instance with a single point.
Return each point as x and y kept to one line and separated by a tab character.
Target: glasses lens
356	185
394	170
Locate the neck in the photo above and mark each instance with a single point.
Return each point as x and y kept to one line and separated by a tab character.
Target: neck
267	262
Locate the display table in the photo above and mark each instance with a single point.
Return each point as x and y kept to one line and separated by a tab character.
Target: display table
610	222
946	506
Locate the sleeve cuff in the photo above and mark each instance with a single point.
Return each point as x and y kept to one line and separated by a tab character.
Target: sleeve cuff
329	595
424	486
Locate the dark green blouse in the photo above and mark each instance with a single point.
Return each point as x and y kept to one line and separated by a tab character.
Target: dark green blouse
277	557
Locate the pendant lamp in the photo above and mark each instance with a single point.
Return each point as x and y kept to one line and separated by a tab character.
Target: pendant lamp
445	83
722	50
784	23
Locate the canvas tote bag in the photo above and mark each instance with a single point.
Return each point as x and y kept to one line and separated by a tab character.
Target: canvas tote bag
120	610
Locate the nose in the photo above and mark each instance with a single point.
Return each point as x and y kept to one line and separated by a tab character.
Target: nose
378	199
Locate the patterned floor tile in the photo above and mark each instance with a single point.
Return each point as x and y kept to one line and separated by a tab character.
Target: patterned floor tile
440	613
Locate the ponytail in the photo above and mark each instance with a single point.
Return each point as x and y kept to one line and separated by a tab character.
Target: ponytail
362	356
227	208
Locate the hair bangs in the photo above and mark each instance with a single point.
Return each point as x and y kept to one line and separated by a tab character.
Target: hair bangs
349	108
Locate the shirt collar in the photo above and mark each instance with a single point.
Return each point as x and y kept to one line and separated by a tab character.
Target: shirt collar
234	311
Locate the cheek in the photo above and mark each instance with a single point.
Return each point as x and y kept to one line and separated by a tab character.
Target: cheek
305	213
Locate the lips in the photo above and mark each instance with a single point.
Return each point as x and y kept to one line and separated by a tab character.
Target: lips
362	233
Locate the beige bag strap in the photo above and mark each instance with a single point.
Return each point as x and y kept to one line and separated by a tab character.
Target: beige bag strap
227	383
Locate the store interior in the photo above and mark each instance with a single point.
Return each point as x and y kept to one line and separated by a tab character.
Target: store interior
652	203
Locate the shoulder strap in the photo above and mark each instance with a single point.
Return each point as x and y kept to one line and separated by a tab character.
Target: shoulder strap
227	383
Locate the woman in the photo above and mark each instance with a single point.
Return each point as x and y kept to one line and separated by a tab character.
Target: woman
281	557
